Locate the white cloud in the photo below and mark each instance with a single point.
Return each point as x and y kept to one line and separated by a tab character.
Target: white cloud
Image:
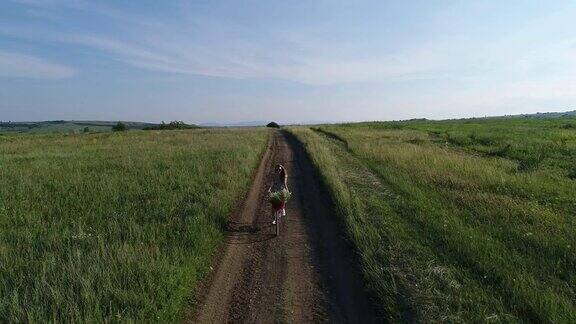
203	46
14	64
173	52
200	46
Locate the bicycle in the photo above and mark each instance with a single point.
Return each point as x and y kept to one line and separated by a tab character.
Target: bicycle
278	215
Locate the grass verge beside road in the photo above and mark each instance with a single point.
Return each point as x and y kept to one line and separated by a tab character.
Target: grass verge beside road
449	234
102	227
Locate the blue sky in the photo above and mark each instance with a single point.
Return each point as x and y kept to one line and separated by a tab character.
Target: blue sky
290	61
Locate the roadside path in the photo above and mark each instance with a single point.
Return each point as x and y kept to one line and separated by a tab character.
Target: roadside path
307	274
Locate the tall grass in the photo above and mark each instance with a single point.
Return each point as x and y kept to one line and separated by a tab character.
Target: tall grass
503	234
115	226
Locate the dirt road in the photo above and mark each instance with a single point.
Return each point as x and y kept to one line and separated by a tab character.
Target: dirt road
307	274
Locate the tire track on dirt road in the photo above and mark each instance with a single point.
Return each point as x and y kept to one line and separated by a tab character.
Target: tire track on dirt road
307	274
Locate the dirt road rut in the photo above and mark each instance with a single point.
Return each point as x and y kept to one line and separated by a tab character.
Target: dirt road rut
307	274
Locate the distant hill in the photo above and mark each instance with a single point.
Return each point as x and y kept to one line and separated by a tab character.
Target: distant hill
63	126
263	123
547	115
236	124
75	126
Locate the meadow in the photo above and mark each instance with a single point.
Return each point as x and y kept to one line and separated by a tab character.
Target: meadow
463	220
115	226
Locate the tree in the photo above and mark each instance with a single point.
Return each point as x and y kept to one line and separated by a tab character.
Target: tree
172	125
120	127
86	130
273	125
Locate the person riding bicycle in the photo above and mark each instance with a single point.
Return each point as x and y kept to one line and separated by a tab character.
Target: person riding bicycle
279	182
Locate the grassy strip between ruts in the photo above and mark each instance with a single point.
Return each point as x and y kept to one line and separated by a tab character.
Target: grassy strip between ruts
115	226
439	239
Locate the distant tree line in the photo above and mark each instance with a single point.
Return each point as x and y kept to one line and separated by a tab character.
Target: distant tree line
10	124
171	125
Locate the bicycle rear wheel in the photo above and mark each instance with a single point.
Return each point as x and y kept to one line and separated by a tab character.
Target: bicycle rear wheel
277	218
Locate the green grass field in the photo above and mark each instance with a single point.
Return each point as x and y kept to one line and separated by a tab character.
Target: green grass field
454	221
469	220
111	227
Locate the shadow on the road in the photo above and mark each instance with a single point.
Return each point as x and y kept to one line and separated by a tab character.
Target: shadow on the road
247	233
